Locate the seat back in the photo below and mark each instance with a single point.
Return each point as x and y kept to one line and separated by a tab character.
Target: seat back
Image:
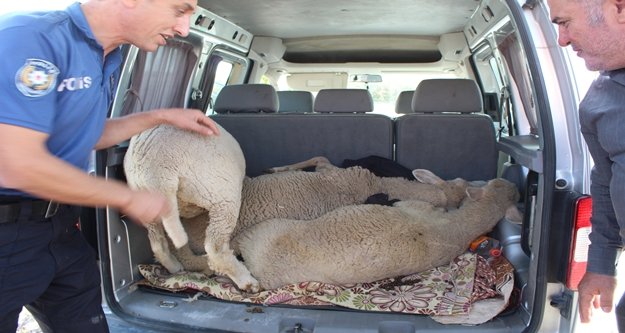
275	139
447	135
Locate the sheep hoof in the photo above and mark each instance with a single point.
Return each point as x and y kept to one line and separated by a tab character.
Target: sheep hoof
251	285
174	268
252	288
273	170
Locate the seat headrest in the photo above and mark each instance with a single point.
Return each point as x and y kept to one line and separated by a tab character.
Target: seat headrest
403	104
295	101
447	95
246	98
343	101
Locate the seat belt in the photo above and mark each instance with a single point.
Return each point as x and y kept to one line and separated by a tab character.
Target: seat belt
504	113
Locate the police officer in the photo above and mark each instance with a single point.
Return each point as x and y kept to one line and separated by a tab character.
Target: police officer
57	75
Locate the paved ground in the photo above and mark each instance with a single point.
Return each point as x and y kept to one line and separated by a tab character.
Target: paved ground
27	324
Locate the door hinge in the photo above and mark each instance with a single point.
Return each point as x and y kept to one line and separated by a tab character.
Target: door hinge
563	302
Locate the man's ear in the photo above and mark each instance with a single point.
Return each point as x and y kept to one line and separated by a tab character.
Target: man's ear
617	8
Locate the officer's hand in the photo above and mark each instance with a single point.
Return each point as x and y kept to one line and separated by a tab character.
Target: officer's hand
190	119
146	207
596	290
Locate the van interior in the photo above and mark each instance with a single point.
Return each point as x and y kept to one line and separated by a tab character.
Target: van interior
451	86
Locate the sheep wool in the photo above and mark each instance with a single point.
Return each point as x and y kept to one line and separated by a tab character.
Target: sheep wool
308	195
365	243
197	174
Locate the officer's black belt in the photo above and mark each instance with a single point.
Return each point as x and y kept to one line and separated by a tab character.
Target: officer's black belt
27	210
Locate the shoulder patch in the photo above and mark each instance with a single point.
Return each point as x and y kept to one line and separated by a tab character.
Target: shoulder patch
36	78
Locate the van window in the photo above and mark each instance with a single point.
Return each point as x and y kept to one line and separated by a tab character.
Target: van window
221	78
223	68
502	69
385	93
159	79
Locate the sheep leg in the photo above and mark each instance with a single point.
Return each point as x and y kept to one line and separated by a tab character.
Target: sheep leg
173	226
318	162
221	259
160	248
193	262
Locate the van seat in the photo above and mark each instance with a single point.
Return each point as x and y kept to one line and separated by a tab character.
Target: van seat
403	104
275	139
343	101
246	98
447	95
295	101
446	133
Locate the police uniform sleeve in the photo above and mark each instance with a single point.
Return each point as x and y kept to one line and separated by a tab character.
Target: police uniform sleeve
28	78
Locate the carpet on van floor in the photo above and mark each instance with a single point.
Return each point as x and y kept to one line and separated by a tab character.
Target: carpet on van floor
469	290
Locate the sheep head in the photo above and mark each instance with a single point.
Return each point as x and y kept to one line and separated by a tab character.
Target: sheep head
454	190
502	193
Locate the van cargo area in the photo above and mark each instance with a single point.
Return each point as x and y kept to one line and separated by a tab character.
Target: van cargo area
481	85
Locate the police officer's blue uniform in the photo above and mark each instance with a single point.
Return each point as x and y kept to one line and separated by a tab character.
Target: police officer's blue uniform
54	79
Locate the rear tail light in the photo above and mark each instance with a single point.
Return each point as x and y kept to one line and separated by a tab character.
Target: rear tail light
578	257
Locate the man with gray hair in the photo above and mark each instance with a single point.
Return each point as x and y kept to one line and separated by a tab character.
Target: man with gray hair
595	29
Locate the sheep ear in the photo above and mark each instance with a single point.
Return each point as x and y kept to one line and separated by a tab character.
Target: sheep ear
514	215
475	193
427	177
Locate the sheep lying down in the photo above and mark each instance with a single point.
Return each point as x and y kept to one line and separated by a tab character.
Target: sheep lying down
365	243
198	175
307	195
302	195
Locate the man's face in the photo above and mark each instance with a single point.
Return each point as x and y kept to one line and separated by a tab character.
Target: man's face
589	33
159	20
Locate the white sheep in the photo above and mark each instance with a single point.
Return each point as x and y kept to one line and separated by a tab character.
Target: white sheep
197	174
308	195
364	243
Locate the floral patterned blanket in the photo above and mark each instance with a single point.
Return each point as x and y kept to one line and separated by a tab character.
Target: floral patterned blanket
447	293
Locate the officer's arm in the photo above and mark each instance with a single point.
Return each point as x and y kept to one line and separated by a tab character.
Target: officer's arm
120	129
27	165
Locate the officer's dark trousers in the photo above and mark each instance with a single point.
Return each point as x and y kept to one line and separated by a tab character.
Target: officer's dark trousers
49	267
